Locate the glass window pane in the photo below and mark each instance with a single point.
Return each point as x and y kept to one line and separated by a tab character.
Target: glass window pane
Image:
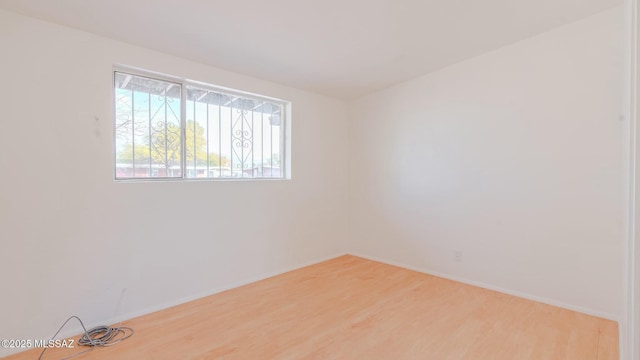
227	135
148	140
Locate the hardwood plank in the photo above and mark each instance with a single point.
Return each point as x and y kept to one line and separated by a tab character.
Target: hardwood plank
352	308
608	340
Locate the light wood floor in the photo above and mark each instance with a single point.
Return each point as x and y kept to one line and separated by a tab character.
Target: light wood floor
351	308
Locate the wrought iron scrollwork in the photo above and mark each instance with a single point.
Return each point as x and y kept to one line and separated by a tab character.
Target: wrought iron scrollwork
242	138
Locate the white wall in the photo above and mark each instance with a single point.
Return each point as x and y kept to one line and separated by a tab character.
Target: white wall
630	326
71	238
516	158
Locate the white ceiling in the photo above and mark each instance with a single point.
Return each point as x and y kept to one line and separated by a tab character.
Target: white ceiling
342	48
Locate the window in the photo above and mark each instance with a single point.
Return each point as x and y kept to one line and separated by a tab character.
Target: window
175	129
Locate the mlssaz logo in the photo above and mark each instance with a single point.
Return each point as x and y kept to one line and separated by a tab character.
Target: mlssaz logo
58	343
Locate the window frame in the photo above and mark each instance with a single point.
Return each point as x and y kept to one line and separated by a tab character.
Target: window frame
284	133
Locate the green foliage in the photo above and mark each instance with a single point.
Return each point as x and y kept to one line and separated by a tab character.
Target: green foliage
214	160
127	154
164	147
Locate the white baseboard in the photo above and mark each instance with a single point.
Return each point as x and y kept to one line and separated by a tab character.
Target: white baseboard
479	284
129	315
483	285
73	331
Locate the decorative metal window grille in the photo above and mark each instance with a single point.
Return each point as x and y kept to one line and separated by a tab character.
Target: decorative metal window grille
168	129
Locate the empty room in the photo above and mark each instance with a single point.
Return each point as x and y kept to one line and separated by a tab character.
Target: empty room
384	179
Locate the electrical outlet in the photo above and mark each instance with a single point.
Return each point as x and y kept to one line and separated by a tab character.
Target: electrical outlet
457	255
